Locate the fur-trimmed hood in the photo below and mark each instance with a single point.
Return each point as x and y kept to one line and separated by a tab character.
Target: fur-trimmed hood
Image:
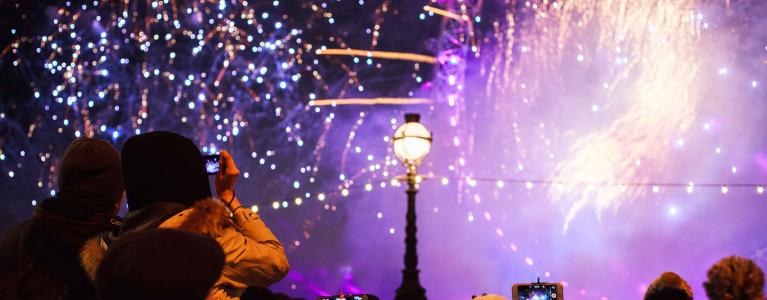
208	217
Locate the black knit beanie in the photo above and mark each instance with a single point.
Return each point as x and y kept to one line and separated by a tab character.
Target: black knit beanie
160	264
163	166
90	177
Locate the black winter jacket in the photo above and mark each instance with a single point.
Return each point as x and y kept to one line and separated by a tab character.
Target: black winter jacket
51	241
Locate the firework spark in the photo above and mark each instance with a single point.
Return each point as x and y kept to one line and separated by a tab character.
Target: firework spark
646	53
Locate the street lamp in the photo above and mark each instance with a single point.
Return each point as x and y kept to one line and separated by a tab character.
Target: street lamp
412	142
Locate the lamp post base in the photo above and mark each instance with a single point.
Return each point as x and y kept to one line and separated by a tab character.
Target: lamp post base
411	288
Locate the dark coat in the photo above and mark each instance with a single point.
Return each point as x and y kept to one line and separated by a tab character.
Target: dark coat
50	242
10	250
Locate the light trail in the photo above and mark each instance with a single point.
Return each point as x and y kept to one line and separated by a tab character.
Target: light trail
369	101
445	13
380	54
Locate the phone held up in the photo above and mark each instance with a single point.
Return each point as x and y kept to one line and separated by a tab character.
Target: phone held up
537	291
349	297
211	163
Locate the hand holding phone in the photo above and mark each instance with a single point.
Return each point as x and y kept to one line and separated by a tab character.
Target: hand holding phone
349	297
227	175
537	291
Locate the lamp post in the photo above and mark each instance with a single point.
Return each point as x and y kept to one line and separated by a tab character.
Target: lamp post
412	142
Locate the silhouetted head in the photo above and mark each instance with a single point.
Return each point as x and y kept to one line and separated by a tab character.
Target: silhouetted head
735	278
669	286
90	179
163	166
160	264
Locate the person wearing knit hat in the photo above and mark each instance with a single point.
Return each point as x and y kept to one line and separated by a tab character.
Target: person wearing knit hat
159	264
90	190
167	187
669	286
163	167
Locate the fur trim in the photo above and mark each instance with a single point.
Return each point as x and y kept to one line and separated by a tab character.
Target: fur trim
91	255
209	217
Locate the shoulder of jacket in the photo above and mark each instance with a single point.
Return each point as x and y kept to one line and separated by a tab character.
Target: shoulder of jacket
209	217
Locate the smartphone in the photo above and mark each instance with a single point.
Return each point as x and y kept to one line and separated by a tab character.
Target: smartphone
537	291
349	297
211	163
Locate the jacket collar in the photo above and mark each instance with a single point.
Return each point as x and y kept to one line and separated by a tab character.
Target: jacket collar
52	210
208	217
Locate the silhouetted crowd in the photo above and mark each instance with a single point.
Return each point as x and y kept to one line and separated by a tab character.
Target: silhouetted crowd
179	241
731	278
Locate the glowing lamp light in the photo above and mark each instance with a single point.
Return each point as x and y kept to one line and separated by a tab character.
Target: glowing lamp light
528	185
412	141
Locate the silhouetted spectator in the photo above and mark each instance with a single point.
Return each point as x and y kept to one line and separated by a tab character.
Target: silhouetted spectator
669	286
39	257
735	278
160	264
167	187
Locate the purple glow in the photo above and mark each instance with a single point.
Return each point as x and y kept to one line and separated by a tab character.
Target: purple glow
533	101
761	161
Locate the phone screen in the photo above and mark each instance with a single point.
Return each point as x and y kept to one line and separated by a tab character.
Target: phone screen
347	297
211	163
537	292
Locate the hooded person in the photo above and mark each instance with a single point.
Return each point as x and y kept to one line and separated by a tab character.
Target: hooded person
167	187
39	257
158	264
